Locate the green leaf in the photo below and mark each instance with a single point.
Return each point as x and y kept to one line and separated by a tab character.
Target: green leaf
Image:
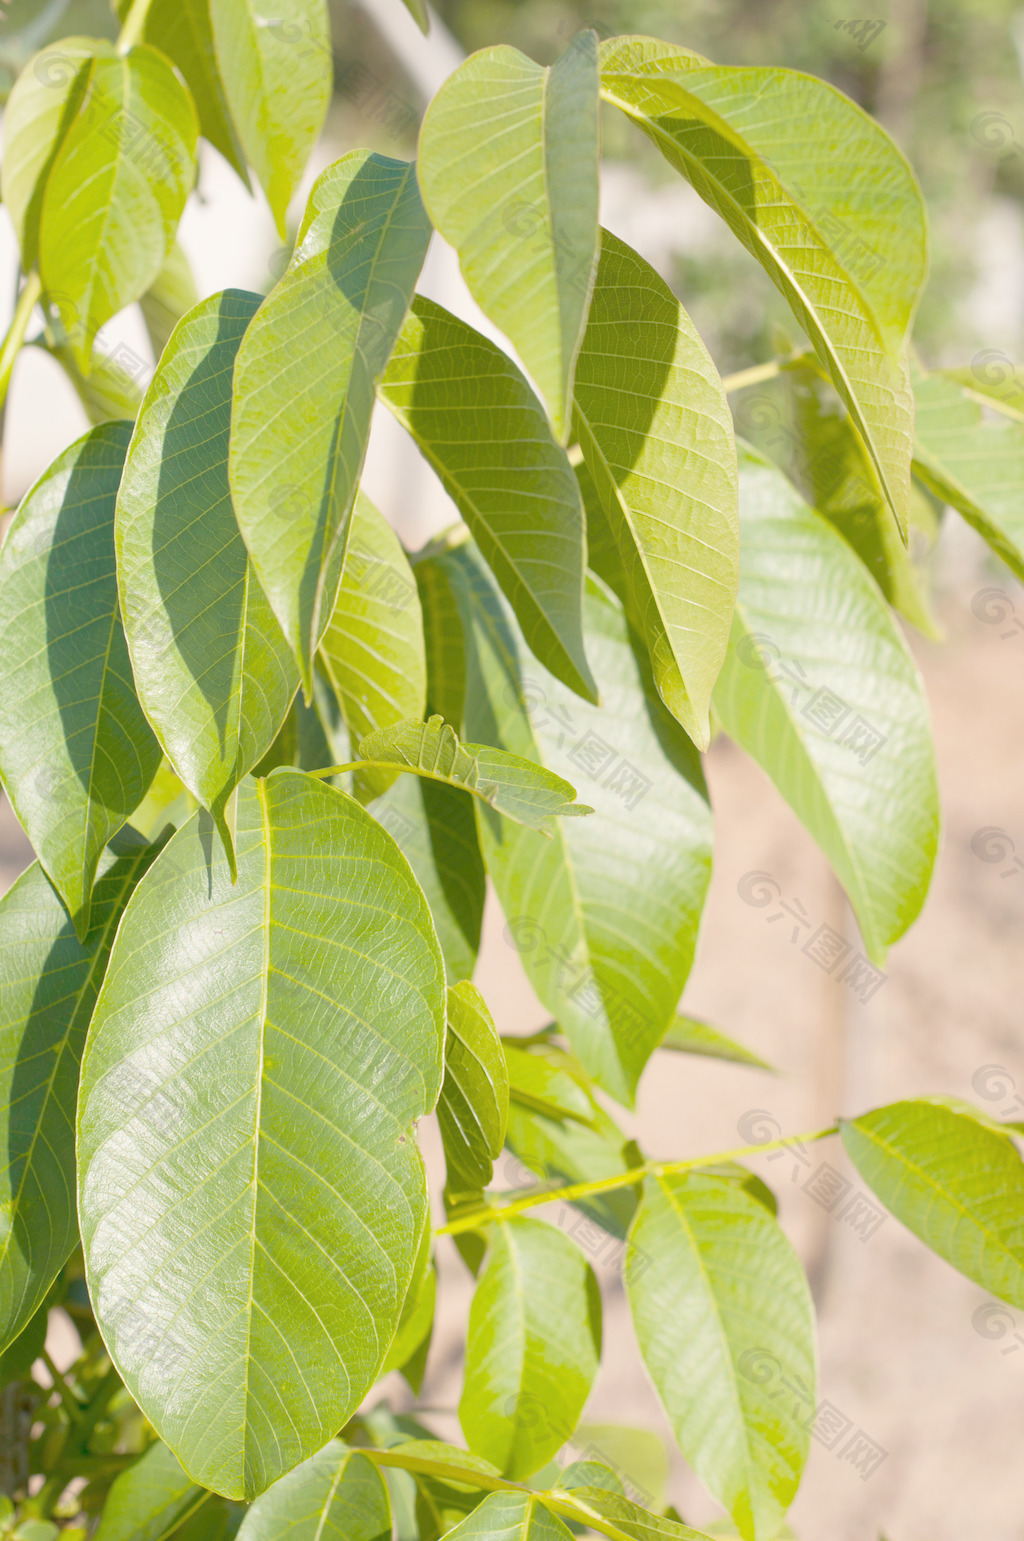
211	666
182	29
435	828
820	689
372	651
39	111
955	1182
562	1151
442	637
418	11
115	191
471	412
533	1347
973	463
17	1359
605	915
508	167
259	1055
337	1495
408	1351
538	1080
473	1109
76	752
304	383
511	1517
513	786
656	434
689	1035
150	1500
170	297
48	985
276	76
624	1518
725	1325
832	212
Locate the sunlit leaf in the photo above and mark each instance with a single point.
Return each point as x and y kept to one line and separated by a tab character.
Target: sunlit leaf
151	1500
689	1035
182	30
473	1109
337	1495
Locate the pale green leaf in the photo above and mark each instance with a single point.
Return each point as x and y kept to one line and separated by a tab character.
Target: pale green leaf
605	915
48	985
372	651
689	1035
538	1080
275	71
182	29
473	1108
656	434
408	1351
513	786
533	1347
213	671
972	462
442	635
337	1495
820	689
725	1325
418	11
952	1180
169	298
76	752
304	383
115	191
824	200
563	1150
511	1517
150	1500
617	1515
258	1057
638	1459
482	429
508	167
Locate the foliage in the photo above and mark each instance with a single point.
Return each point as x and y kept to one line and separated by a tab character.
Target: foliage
267	760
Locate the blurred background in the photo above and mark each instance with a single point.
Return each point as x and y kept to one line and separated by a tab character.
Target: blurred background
914	1357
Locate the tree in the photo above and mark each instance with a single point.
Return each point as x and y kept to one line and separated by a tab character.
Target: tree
267	759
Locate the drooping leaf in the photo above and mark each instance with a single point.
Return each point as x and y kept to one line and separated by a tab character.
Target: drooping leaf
304	383
689	1035
471	412
168	299
76	752
656	435
511	1517
605	915
974	463
211	665
820	195
372	651
508	167
337	1494
515	787
442	635
258	1057
115	191
150	1500
48	985
820	689
182	29
953	1181
725	1325
533	1347
473	1108
435	828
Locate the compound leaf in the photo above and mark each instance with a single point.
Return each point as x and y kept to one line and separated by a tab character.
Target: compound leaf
473	1108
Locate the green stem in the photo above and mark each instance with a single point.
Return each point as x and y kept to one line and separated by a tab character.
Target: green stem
479	1217
69	1401
753	376
11	346
134	22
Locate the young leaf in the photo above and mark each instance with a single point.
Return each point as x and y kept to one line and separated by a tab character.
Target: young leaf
276	78
471	412
168	299
258	1057
473	1109
372	651
48	985
508	167
304	384
820	689
689	1035
656	434
533	1347
150	1500
115	191
211	665
337	1495
605	915
975	464
725	1325
515	787
953	1181
832	213
76	752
